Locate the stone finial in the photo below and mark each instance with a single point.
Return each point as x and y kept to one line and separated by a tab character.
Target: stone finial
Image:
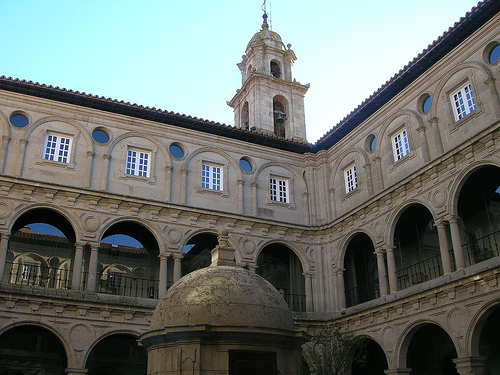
265	26
223	253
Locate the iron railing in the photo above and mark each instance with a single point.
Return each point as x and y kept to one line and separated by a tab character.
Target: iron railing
362	293
417	273
56	278
482	248
295	302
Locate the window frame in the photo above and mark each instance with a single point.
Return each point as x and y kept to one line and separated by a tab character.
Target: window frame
136	170
397	145
52	153
276	193
464	105
213	183
350	178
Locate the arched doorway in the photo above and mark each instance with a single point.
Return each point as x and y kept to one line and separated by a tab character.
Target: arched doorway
30	349
197	252
374	360
361	273
479	209
128	263
118	354
416	252
431	352
41	250
282	268
489	342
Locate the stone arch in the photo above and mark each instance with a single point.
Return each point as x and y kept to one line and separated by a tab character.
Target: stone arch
73	221
340	160
406	336
478	322
344	242
51	329
296	174
156	232
392	219
475	66
300	253
98	339
88	139
214	150
460	179
4	125
372	366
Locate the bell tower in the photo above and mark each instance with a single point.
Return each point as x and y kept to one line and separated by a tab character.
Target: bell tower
269	100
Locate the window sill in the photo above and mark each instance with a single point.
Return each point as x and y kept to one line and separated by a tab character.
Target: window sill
149	180
396	164
222	193
290	206
352	193
58	164
455	124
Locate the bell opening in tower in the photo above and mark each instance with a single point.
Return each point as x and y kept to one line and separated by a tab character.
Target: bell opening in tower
279	118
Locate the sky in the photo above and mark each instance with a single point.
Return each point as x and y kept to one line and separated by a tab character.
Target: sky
181	56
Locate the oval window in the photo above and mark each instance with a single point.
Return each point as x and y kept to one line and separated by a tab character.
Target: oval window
19	120
176	151
426	105
494	54
245	165
100	136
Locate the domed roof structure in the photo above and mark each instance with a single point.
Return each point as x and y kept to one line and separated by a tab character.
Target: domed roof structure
225	296
267	36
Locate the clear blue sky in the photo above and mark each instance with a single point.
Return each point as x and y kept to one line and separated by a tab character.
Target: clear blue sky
181	56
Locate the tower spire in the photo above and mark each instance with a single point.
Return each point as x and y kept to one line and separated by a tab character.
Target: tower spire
265	26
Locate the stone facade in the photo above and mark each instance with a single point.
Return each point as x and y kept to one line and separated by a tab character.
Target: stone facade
388	225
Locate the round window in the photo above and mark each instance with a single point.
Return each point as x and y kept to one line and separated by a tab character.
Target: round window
426	105
100	136
494	54
245	165
19	120
176	151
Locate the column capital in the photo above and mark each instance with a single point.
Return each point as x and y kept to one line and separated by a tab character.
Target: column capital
4	235
177	256
453	219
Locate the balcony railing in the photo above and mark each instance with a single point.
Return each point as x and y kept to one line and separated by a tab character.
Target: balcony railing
419	272
295	302
34	275
51	277
482	249
362	293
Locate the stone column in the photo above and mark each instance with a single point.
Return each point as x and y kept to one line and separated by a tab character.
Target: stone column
76	371
162	287
309	292
168	183
398	371
90	166
457	243
382	272
424	144
184	173
241	201
470	365
339	273
443	246
253	185
494	96
4	243
5	144
378	164
76	280
368	169
177	266
391	269
92	276
22	155
436	134
105	172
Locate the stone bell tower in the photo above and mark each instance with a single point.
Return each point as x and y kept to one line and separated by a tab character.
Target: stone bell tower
270	100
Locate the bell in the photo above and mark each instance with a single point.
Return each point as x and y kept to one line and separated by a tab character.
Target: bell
279	119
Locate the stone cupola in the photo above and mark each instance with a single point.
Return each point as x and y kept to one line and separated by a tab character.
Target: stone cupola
219	318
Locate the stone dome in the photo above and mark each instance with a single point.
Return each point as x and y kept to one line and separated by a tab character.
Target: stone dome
223	296
267	37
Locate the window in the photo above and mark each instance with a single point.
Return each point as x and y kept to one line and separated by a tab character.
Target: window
211	177
278	190
29	272
138	163
57	147
351	179
463	102
400	145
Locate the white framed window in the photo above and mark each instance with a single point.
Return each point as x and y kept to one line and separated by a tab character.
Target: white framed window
279	190
138	163
211	177
57	147
463	102
400	145
351	179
